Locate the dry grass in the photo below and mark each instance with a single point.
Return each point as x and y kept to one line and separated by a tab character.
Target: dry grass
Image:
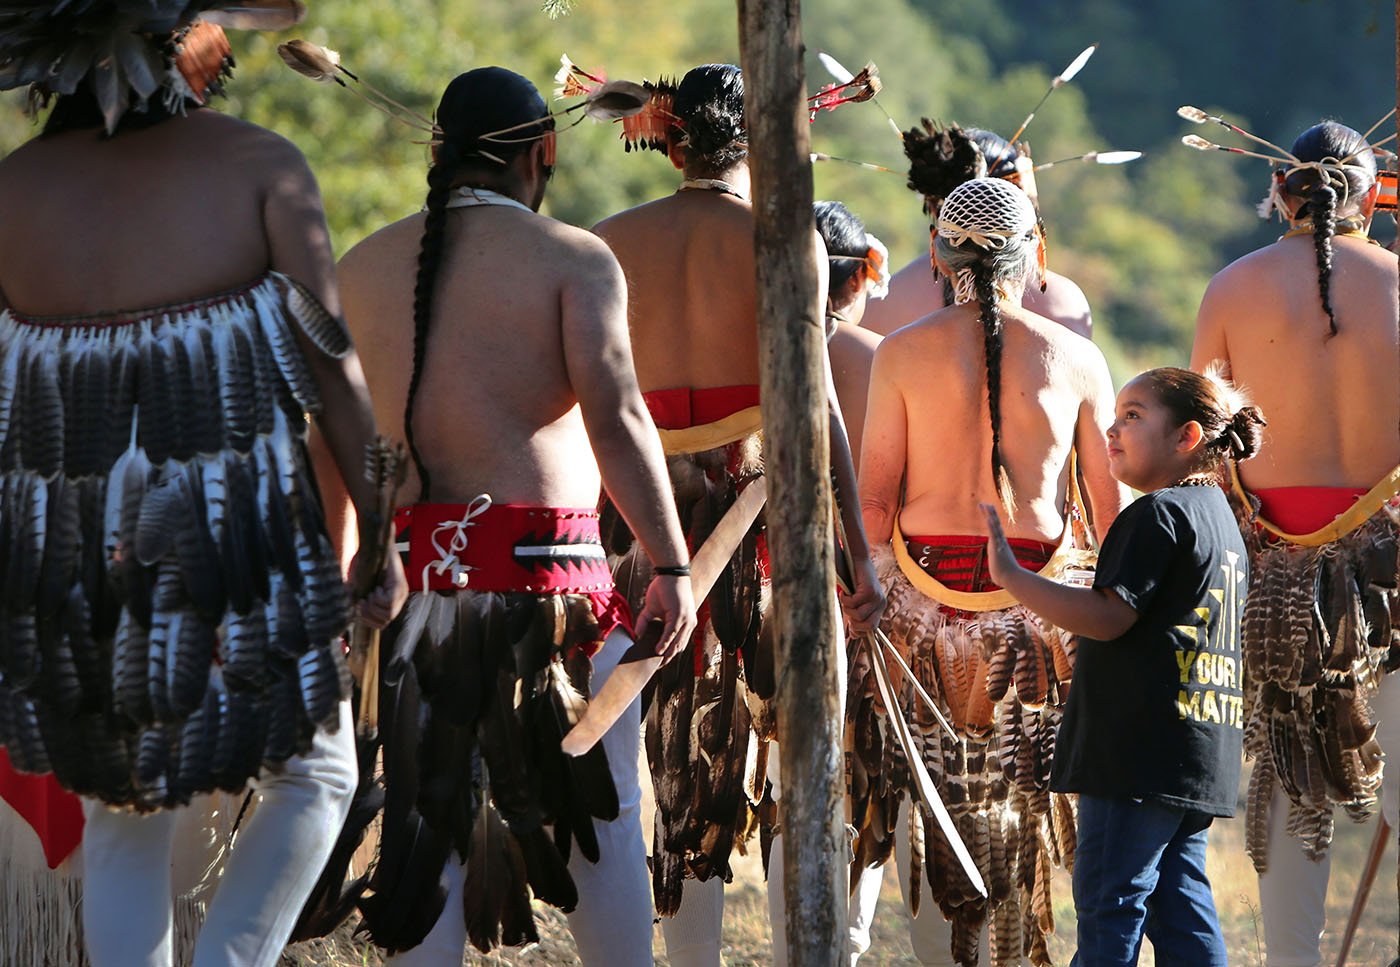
747	938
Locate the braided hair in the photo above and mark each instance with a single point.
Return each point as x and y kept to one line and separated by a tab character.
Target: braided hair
709	110
996	252
1352	171
476	103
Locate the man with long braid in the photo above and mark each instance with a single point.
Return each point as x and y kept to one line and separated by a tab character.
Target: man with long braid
689	261
999	674
915	292
518	400
1309	325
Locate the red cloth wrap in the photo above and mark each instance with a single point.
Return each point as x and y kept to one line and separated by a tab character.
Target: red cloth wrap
510	548
961	562
55	814
683	407
1302	510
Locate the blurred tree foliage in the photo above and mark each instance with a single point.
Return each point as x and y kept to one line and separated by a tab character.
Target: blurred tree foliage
1142	240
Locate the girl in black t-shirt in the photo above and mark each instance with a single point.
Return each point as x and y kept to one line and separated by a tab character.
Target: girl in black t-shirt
1153	726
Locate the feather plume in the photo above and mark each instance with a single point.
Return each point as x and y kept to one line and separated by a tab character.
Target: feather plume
257	15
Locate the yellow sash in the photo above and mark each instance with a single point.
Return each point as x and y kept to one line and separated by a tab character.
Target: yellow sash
1348	521
707	436
1065	555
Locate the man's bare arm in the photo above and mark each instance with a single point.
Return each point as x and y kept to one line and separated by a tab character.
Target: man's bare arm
1210	343
298	243
1106	496
598	355
883	449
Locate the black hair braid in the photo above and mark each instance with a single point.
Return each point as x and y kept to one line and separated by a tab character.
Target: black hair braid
1322	205
429	260
990	317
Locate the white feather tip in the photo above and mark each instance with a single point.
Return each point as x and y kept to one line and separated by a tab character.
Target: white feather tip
1193	114
1076	65
1197	142
834	68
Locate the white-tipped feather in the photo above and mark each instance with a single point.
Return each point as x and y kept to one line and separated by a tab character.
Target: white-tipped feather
1076	65
834	68
1197	142
1193	114
1114	157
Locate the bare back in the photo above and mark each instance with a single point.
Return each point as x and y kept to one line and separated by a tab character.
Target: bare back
928	422
852	353
497	411
689	262
190	207
915	292
1332	404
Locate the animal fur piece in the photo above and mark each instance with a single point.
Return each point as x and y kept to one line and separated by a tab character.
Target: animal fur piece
997	678
1313	660
710	706
171	593
941	158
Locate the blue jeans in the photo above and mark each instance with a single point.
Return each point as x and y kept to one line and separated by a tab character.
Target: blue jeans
1141	866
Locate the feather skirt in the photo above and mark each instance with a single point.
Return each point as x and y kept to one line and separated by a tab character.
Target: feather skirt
1001	678
170	603
1320	627
478	689
709	715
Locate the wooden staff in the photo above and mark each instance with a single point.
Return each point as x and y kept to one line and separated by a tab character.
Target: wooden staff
792	351
1363	889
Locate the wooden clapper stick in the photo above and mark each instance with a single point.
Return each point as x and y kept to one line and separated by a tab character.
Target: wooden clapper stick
879	645
641	662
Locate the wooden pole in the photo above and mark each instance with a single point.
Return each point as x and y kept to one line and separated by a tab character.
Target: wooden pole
792	351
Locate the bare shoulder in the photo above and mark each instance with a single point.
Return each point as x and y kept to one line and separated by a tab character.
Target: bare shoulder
1064	302
361	269
621	224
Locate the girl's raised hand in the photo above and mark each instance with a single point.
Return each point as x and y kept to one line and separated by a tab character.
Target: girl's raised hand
1001	560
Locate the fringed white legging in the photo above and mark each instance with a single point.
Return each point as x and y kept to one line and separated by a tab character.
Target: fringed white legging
274	863
1293	894
612	923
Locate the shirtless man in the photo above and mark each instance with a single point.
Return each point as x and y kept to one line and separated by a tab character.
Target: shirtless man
858	266
1050	402
915	291
165	330
689	261
1323	369
518	401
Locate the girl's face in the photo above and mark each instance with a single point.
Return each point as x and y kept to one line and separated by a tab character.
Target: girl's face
1147	449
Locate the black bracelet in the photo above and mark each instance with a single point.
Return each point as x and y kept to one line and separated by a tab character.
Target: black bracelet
673	571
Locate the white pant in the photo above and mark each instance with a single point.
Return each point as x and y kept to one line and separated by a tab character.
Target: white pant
1293	894
276	860
612	923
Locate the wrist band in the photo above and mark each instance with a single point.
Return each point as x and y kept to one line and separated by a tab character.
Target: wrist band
673	571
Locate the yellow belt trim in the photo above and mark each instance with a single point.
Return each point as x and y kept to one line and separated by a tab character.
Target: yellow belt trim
1348	521
978	601
694	439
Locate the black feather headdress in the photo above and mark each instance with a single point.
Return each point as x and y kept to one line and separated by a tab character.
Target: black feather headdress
127	50
941	158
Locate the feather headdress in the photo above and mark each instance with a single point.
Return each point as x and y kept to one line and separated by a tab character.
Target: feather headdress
128	50
647	128
1332	169
602	101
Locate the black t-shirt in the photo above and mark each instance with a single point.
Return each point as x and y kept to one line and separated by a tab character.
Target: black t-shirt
1158	712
